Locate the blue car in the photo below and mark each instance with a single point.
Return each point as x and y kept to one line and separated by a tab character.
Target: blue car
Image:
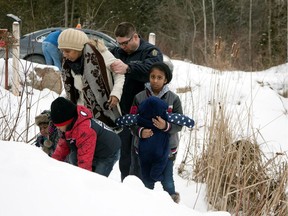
31	44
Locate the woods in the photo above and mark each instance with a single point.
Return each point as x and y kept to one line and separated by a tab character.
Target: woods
185	29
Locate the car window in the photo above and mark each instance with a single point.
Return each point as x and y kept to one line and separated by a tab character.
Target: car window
42	37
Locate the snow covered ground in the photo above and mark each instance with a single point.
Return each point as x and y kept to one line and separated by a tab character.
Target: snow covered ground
31	183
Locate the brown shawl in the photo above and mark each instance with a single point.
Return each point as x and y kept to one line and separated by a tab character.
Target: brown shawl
95	86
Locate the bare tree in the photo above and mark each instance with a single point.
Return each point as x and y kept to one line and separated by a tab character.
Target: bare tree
184	28
72	13
194	29
92	13
213	20
66	13
269	31
32	12
205	30
250	33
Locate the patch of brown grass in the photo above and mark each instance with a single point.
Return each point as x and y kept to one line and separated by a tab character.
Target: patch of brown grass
184	89
239	179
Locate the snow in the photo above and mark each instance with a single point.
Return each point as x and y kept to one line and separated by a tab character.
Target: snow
32	183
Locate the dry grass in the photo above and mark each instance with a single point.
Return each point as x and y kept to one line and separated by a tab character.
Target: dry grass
226	157
184	89
238	177
222	59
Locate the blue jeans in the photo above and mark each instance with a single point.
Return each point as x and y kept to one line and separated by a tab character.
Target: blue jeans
104	166
167	182
52	54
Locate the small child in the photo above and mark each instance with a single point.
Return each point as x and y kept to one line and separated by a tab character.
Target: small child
49	135
89	142
159	76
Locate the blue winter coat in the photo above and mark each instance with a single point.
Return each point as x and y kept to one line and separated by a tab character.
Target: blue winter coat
153	151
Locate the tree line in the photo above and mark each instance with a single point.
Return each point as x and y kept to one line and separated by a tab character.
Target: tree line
224	34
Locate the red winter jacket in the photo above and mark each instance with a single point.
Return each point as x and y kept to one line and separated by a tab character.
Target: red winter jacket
82	138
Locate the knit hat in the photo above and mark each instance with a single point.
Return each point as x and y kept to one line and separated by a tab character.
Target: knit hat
74	39
43	118
162	67
63	111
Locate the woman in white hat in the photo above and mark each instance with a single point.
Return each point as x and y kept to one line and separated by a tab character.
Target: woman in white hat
86	75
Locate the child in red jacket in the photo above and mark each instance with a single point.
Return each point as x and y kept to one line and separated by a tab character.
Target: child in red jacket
89	143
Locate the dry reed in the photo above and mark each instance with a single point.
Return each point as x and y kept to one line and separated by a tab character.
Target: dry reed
227	158
238	177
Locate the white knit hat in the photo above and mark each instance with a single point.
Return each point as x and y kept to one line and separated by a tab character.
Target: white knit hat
74	39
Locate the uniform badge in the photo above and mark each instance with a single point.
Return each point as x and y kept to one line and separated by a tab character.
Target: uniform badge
154	52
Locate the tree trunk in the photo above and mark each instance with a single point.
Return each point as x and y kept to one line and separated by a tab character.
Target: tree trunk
66	13
269	31
191	48
250	34
72	14
205	31
213	21
32	13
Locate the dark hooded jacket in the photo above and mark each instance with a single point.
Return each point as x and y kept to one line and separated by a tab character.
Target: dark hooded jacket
86	139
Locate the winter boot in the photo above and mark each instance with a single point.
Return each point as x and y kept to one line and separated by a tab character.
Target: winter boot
176	197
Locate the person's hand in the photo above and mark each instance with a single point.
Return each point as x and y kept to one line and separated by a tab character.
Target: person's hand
146	133
159	123
172	157
113	101
119	67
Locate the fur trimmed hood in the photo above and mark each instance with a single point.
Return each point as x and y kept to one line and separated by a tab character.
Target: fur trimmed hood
43	118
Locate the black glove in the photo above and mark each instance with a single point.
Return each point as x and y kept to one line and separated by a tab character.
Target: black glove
172	157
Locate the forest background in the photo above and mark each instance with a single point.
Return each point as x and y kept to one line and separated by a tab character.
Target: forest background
246	35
